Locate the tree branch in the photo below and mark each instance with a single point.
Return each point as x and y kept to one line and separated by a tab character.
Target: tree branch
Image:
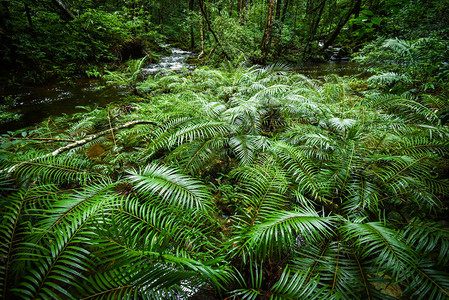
42	139
77	144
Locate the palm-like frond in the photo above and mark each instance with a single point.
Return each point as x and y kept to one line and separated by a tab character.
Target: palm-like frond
151	226
277	235
189	132
11	229
428	239
62	243
399	173
382	246
153	276
428	282
265	188
135	245
404	105
337	269
171	186
305	173
198	155
246	115
389	78
298	286
247	146
47	168
419	146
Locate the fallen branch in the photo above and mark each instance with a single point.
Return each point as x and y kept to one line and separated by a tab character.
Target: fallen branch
42	139
77	144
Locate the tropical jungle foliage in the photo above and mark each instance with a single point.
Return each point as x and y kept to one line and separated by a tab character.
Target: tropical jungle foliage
50	38
242	179
241	183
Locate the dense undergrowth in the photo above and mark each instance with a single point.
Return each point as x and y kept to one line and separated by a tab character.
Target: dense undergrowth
240	183
49	40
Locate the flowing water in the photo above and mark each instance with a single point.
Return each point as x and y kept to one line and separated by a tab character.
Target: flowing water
175	62
37	103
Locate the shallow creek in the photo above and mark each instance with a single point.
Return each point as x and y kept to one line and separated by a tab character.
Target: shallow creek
37	103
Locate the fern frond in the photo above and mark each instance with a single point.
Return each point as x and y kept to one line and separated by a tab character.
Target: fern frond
303	170
404	105
64	246
428	239
298	286
277	234
265	187
382	246
173	187
189	132
198	155
47	168
10	232
428	282
246	147
389	78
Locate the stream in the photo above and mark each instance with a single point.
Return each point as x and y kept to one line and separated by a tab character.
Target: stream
55	99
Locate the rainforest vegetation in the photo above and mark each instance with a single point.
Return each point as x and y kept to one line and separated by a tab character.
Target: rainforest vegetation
240	178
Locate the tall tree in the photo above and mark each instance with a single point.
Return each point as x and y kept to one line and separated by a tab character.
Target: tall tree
64	9
268	33
354	9
284	12
313	15
192	34
278	10
203	12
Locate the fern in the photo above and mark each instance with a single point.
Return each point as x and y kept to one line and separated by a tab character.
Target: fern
47	168
253	183
173	187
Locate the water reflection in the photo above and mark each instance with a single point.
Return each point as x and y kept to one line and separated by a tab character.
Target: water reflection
37	103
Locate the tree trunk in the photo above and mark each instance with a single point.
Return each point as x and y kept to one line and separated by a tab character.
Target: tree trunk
284	11
278	10
342	23
66	12
313	22
239	7
356	13
160	18
192	33
201	3
202	37
28	13
268	33
231	3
